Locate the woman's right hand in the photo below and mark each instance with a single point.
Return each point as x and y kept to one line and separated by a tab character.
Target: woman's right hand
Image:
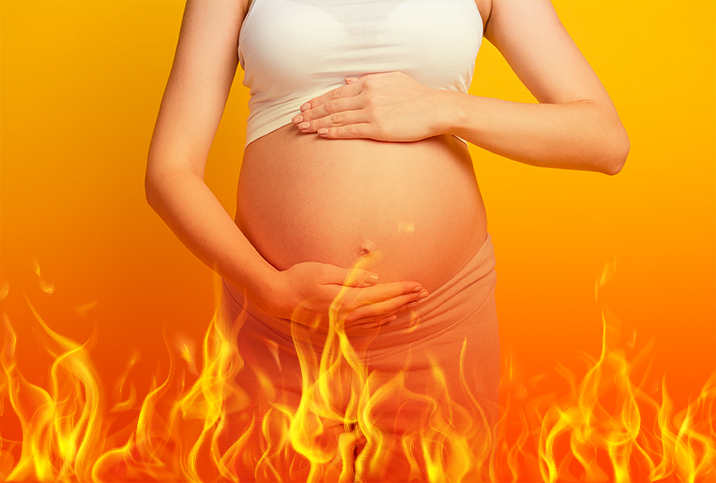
311	288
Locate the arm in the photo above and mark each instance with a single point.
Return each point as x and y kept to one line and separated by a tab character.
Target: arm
198	87
196	93
575	126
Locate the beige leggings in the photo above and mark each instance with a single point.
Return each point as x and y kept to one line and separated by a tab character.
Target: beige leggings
414	398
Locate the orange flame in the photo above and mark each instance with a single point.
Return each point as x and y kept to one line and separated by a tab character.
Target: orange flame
607	428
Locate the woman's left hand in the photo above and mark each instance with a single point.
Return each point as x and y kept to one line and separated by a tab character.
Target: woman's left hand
386	107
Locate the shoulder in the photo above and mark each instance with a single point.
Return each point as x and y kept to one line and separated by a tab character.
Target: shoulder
533	41
203	11
507	17
211	25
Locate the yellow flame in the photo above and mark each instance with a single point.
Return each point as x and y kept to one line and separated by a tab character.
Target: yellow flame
82	310
46	286
63	425
608	427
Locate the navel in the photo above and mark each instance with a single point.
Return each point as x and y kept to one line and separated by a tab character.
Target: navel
366	248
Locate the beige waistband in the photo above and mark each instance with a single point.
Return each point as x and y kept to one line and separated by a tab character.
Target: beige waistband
444	309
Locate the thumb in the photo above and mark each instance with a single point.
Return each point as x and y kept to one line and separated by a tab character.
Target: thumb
360	278
350	80
350	277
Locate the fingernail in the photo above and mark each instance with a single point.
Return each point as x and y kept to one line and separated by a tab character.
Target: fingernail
417	289
351	79
298	118
323	130
412	304
306	106
373	278
304	125
423	295
391	318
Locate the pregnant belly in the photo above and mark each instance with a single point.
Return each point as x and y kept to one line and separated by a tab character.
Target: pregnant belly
409	211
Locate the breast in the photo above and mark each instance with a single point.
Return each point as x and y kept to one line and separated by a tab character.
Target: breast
293	50
414	209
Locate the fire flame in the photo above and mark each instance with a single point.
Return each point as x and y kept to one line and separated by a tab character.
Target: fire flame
607	428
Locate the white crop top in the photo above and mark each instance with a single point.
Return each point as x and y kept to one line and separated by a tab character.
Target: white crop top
294	50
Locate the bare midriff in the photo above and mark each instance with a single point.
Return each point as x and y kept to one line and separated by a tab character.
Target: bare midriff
410	211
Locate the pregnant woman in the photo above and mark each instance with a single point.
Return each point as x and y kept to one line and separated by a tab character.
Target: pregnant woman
358	269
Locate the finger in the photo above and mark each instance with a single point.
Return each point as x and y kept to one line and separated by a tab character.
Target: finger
399	293
334	120
383	309
361	130
349	277
352	79
360	278
328	109
348	90
386	291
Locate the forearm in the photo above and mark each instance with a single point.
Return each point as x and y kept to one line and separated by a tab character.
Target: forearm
578	135
190	209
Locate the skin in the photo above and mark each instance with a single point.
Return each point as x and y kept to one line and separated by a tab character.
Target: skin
575	126
415	206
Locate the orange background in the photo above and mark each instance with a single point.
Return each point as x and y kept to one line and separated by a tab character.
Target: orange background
81	83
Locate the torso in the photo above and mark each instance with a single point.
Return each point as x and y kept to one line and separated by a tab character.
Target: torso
416	205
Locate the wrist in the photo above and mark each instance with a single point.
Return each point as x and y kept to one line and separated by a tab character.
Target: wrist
449	118
264	287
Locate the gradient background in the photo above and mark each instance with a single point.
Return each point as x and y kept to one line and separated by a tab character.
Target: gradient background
81	83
